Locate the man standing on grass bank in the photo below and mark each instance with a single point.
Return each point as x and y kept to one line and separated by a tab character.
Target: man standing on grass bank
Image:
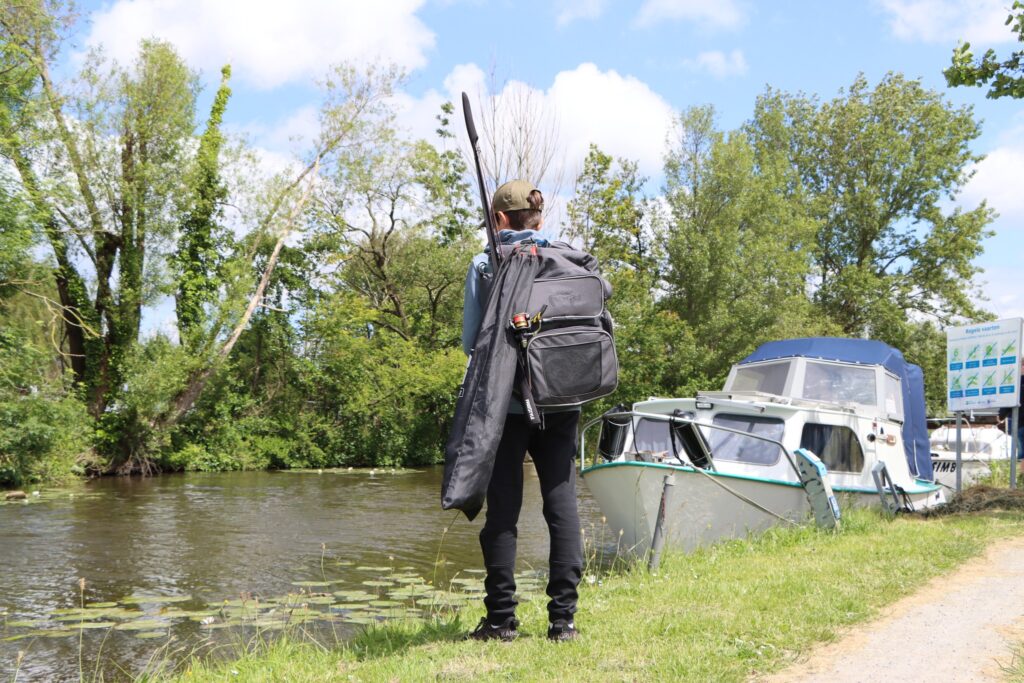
517	207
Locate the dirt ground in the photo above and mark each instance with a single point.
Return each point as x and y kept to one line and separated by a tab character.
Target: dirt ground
960	627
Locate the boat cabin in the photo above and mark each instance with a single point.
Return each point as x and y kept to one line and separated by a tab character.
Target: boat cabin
851	402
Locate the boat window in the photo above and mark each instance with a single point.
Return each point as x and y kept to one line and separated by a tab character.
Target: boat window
651	436
836	445
893	397
839	383
767	377
742	448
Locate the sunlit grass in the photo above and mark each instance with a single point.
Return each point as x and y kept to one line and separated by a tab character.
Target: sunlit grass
719	614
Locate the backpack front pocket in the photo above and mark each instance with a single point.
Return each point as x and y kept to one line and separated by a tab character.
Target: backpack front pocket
571	365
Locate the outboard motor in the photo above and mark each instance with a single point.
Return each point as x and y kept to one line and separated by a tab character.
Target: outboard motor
614	431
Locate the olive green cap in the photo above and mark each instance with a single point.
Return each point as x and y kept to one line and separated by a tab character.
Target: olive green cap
512	196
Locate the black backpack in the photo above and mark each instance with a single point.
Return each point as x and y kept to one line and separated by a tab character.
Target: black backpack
569	353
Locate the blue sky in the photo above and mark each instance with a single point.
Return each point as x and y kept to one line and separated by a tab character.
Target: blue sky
607	72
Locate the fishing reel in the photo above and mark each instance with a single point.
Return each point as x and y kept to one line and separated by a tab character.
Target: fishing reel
525	326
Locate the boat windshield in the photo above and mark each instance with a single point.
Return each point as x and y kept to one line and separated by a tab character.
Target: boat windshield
651	436
740	447
840	383
767	377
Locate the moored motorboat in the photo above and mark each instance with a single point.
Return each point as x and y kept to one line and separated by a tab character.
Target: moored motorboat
726	462
981	444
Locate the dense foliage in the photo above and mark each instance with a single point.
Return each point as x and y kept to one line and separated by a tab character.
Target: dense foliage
314	315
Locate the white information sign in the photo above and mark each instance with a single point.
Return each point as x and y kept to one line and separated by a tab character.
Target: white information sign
983	365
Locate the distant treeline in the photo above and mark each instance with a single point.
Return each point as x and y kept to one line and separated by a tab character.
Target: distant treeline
314	315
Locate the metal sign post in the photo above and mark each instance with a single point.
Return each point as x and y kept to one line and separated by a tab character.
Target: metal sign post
1014	447
959	422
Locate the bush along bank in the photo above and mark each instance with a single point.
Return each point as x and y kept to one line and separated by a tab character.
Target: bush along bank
722	613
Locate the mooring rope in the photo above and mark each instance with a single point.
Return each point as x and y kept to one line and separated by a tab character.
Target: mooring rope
744	498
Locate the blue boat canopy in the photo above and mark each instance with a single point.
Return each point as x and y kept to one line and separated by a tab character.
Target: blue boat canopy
869	352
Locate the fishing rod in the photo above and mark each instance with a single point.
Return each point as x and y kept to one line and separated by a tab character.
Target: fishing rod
495	255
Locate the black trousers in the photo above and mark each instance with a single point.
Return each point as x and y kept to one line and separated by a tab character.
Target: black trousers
553	450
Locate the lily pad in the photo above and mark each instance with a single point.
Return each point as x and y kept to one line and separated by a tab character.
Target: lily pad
373	582
269	624
94	624
311	584
53	633
188	614
360	619
355	595
319	600
466	581
410	592
141	625
385	603
365	568
85	616
252	602
348	609
154	599
101	605
151	634
27	623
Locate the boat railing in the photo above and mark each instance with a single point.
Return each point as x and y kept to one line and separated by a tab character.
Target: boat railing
678	419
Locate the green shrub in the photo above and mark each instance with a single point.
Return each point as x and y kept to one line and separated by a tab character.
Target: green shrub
43	439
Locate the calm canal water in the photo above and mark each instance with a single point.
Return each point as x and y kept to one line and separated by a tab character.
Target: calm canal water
159	556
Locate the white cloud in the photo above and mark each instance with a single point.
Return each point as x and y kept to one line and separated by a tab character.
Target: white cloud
268	42
1001	287
289	135
571	10
417	116
718	63
942	21
997	179
620	114
717	14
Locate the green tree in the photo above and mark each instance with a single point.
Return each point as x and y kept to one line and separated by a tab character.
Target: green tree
872	168
391	238
198	257
1006	77
737	248
117	148
610	218
442	173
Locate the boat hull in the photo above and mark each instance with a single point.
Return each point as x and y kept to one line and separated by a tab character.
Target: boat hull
971	470
702	507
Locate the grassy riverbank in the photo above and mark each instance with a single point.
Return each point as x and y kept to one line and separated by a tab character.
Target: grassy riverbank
719	614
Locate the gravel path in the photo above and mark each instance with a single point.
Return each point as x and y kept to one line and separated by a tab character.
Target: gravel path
960	627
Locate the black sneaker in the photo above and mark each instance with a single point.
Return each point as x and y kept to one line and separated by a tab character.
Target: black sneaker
506	632
560	630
